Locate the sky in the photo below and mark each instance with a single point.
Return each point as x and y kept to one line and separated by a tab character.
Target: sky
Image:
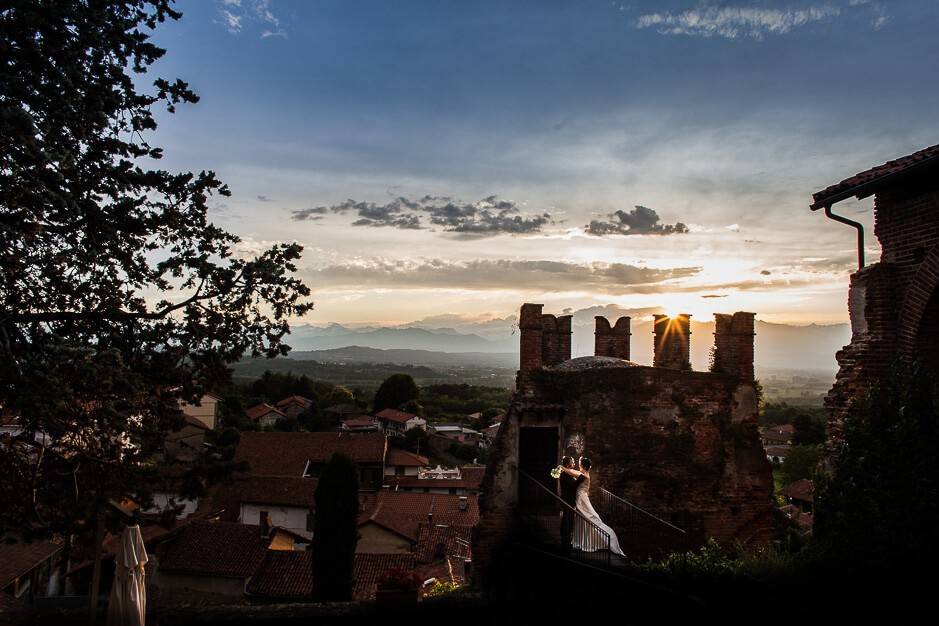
452	160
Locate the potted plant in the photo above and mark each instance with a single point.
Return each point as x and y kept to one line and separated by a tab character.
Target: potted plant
398	587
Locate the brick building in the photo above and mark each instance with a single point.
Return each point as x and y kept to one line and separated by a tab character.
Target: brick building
893	304
681	444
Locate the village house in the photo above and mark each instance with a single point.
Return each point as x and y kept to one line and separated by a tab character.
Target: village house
403	463
777	454
780	436
293	406
205	411
27	569
264	415
389	521
458	433
394	422
305	454
186	443
800	494
458	481
209	558
288	576
360	424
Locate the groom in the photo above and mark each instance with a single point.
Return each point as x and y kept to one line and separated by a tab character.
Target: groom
569	494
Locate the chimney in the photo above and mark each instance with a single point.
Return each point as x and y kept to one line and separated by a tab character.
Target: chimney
672	342
611	341
529	325
733	344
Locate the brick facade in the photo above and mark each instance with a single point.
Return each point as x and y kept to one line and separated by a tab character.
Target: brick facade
676	442
611	340
672	347
893	304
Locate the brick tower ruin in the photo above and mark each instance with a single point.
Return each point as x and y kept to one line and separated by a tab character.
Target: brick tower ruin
894	304
679	443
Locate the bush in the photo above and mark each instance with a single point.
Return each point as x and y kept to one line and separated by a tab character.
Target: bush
878	499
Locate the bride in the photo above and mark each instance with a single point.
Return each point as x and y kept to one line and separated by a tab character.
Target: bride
583	539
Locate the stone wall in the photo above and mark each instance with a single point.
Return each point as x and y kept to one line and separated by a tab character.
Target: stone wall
611	340
890	303
667	440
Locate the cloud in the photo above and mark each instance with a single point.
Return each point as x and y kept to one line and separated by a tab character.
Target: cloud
485	218
311	213
394	213
231	21
489	216
640	221
498	274
735	21
236	13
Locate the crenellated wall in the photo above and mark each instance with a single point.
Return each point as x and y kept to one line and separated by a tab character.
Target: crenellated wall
672	347
678	443
733	344
611	340
682	445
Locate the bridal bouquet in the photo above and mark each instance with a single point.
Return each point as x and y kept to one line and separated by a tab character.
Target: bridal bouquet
556	472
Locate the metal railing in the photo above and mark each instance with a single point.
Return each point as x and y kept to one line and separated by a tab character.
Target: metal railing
548	514
641	533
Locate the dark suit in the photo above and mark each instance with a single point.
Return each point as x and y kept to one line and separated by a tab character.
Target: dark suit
569	486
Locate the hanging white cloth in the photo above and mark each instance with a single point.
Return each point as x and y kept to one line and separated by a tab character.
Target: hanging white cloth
128	603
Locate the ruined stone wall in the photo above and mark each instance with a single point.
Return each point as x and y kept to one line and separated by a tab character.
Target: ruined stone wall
888	301
613	340
669	441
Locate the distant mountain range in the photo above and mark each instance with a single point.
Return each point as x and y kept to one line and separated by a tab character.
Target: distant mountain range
781	346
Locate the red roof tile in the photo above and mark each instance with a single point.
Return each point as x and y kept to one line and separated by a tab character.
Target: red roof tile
299	400
277	490
802	489
260	410
224	549
286	454
364	421
437	541
283	574
403	512
369	568
19	558
399	457
288	575
473	475
851	186
393	415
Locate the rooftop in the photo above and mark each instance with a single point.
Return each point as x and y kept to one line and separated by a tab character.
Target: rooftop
867	182
225	549
286	454
586	363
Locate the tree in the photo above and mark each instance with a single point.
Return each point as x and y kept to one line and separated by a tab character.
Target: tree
800	463
395	391
808	430
878	497
335	531
119	296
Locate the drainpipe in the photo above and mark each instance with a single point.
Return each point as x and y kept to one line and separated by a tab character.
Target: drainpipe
860	233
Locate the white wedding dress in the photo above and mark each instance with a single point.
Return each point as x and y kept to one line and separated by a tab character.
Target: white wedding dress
587	539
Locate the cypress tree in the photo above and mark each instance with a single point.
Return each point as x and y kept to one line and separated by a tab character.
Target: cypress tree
335	531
